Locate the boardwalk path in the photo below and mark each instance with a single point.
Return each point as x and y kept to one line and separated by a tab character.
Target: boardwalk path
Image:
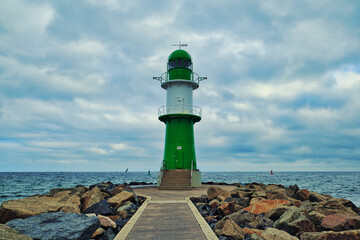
168	214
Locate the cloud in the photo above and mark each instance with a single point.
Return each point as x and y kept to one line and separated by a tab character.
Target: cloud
76	88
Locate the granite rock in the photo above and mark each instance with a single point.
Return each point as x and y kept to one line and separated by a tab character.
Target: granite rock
121	198
91	197
266	205
337	205
214	192
57	226
338	222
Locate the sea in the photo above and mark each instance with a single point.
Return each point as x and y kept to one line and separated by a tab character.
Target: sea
15	185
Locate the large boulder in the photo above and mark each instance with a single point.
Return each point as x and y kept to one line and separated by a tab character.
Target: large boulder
226	208
91	197
230	229
330	235
277	193
57	226
337	206
102	207
266	205
302	194
7	233
214	192
338	222
57	200
121	198
275	213
275	234
294	221
317	197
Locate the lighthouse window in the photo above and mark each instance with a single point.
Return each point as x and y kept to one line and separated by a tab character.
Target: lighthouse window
179	63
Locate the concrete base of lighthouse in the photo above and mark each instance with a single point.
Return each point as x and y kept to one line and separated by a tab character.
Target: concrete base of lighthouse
178	179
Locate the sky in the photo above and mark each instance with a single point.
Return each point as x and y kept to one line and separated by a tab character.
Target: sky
77	90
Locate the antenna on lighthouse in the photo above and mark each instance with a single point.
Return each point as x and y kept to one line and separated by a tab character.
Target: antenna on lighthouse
180	45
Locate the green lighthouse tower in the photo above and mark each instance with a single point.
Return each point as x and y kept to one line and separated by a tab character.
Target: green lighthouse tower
179	167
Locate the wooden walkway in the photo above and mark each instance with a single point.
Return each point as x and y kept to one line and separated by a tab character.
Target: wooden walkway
167	214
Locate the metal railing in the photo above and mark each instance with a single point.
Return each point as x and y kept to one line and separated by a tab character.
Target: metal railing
180	109
165	78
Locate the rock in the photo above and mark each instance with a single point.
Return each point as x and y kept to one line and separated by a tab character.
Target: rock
129	207
98	233
209	218
275	213
121	222
102	207
242	218
243	194
261	222
213	192
294	221
254	237
231	229
277	193
259	194
122	213
114	217
226	209
266	205
275	234
243	202
250	231
91	197
306	206
316	218
302	195
237	207
56	226
106	222
7	233
292	189
117	190
344	235
336	205
108	235
120	198
294	202
56	200
317	197
255	200
338	222
214	203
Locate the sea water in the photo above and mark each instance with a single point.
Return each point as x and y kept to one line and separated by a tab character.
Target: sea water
14	185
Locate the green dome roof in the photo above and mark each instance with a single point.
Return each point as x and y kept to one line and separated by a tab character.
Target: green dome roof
180	54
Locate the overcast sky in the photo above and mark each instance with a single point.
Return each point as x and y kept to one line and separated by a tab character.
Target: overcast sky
77	94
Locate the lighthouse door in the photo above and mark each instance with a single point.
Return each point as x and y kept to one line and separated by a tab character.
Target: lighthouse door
179	159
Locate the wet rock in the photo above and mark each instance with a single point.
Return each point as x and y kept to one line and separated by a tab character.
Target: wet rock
294	221
302	195
56	226
266	205
226	209
214	192
121	198
7	233
337	205
275	234
330	235
106	222
57	200
91	197
102	207
338	222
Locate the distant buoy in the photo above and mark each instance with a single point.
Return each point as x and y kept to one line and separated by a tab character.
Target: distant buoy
271	172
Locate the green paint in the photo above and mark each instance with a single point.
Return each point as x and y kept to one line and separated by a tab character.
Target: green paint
179	141
180	65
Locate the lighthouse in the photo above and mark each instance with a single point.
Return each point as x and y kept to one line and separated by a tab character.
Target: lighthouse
179	167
